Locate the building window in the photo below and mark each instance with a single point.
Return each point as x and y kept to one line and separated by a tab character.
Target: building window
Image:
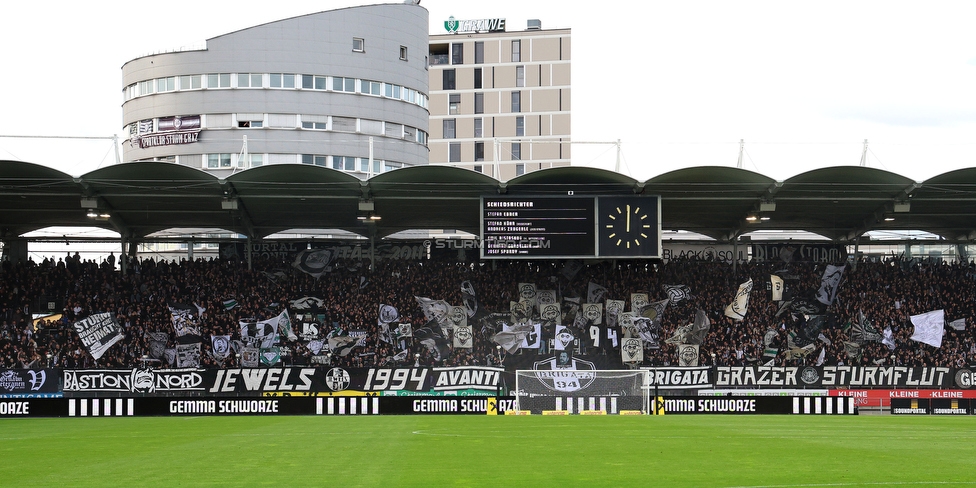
310	82
166	84
344	124
344	84
370	87
403	53
516	102
449	127
449	83
218	80
318	122
479	168
255	160
454	102
479	151
519	126
281	80
314	159
516	51
516	151
519	169
191	82
478	124
218	161
477	78
147	87
457	53
520	76
479	103
479	52
358	45
455	152
249	80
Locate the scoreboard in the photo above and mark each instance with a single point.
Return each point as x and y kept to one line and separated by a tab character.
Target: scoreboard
560	227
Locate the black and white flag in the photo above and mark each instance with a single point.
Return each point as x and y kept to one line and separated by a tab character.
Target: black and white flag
863	331
550	312
740	304
157	344
249	357
470	298
306	304
632	350
687	355
929	327
563	338
677	293
596	293
463	337
614	308
592	313
388	314
527	292
188	355
829	284
259	334
314	262
186	321
545	297
220	345
638	301
457	317
404	330
98	332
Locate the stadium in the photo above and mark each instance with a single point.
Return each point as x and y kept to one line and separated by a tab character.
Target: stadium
476	358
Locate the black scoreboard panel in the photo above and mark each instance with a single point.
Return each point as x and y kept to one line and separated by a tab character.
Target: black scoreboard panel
537	227
558	227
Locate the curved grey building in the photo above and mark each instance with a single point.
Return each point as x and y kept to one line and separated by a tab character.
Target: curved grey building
339	88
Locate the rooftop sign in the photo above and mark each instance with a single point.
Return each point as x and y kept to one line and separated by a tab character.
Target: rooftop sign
454	26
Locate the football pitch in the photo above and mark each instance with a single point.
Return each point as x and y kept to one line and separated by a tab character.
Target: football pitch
434	451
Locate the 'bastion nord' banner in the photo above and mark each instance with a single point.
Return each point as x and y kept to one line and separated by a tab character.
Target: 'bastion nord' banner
833	377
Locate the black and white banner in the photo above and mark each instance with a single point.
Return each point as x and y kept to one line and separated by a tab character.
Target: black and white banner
98	332
28	382
135	380
833	376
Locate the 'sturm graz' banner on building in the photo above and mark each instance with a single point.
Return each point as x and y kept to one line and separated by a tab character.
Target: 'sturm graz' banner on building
833	376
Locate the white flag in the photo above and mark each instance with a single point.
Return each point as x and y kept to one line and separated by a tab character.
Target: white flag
777	290
829	284
929	327
740	304
958	324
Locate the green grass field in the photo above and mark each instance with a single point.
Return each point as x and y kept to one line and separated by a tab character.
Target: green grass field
434	451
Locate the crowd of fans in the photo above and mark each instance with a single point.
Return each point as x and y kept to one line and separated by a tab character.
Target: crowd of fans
887	291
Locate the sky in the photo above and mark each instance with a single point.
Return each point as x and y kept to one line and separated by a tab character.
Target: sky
678	83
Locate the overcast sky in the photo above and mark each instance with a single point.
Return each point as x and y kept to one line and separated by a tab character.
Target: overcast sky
678	82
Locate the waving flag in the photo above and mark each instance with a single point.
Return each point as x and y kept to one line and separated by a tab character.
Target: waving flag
929	327
740	304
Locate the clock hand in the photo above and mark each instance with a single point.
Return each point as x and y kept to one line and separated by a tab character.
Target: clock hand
628	218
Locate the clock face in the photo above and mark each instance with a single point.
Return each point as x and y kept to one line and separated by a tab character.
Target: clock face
628	227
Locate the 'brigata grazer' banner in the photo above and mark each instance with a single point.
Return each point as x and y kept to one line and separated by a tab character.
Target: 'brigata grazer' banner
833	376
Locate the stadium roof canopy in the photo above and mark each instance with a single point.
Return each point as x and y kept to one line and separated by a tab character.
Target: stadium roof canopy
138	199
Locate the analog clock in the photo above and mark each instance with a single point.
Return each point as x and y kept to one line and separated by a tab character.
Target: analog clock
628	226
